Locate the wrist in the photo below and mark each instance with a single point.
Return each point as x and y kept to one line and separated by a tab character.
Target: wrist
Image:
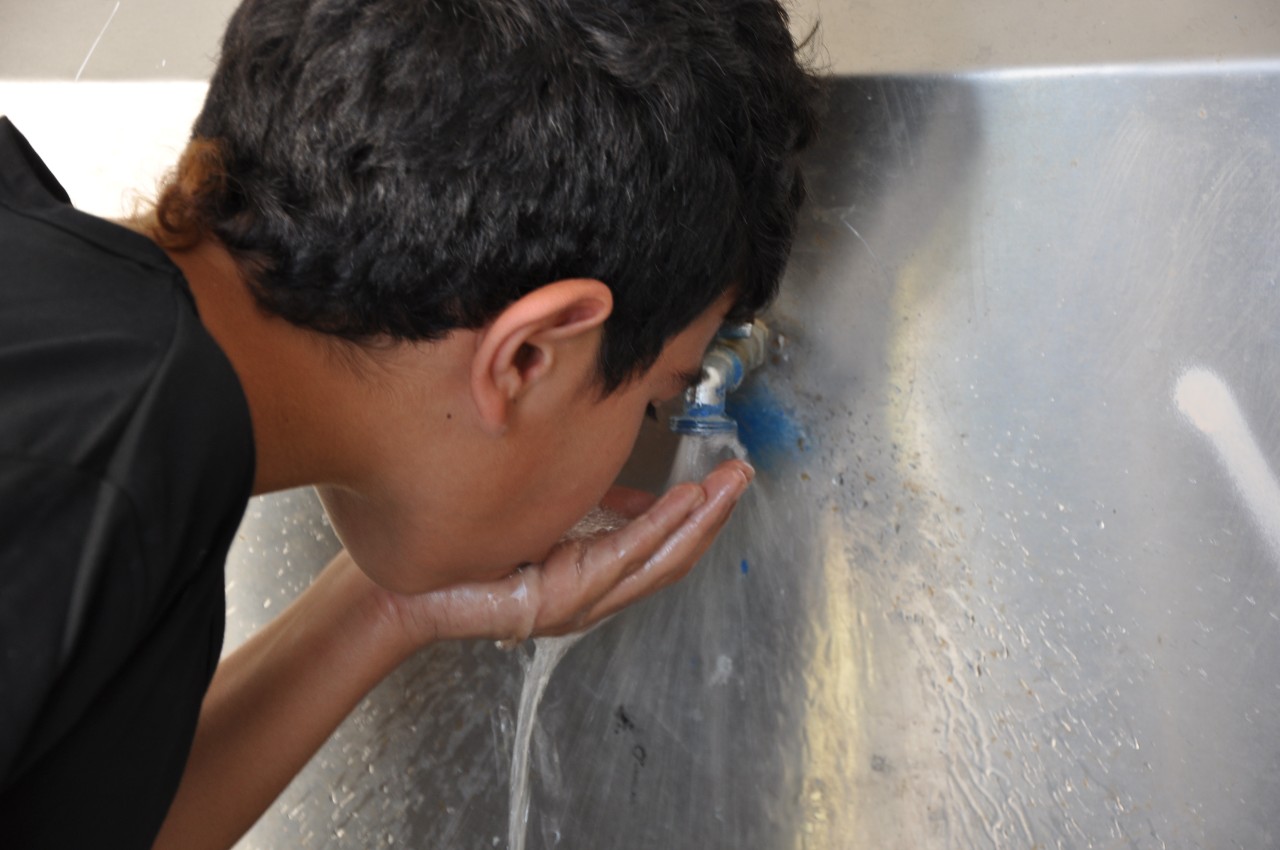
367	615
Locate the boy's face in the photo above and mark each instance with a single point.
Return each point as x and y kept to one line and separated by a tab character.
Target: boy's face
468	504
577	455
567	458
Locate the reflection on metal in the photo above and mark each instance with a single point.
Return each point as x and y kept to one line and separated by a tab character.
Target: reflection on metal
1209	405
1010	584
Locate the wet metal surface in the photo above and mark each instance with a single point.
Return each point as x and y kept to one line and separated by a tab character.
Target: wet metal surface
1072	608
1012	575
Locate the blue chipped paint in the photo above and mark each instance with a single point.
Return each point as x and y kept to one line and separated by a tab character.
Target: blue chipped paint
766	430
745	566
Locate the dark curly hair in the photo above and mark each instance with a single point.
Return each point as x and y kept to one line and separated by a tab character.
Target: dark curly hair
402	168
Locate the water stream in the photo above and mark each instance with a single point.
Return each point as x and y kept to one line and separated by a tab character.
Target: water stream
547	652
695	457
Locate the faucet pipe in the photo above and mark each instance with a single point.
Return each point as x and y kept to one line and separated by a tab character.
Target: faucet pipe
737	350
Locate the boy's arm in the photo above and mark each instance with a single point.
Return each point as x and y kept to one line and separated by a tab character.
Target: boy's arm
276	699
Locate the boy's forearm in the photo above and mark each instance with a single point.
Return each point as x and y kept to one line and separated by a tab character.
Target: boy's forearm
274	701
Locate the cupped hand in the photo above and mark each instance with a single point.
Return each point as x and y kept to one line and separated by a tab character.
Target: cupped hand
584	581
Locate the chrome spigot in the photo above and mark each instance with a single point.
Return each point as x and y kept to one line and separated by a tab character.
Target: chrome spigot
737	349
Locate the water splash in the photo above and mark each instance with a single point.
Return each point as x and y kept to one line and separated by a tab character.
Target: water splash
697	456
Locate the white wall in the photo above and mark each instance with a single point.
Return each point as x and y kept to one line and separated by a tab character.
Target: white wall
107	143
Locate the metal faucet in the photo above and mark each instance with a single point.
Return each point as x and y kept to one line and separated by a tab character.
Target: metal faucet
737	349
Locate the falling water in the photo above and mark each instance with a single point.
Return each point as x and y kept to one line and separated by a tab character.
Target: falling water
547	652
695	457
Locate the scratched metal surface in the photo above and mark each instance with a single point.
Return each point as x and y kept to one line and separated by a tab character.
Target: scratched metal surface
1042	310
1016	583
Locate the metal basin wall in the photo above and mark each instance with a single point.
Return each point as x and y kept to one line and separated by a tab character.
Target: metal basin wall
1009	576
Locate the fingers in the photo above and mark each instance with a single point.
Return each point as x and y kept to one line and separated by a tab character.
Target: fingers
579	573
586	580
676	554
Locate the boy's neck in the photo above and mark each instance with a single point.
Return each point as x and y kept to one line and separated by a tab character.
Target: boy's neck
286	372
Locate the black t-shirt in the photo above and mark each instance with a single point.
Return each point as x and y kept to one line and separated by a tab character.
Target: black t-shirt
126	461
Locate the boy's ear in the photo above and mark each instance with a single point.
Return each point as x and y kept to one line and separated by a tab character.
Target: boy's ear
527	340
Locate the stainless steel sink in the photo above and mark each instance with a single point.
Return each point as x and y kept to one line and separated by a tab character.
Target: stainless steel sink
1012	580
1010	576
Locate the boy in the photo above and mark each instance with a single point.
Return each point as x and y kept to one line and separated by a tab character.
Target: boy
435	259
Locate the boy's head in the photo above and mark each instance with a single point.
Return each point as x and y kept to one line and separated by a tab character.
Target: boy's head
398	169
